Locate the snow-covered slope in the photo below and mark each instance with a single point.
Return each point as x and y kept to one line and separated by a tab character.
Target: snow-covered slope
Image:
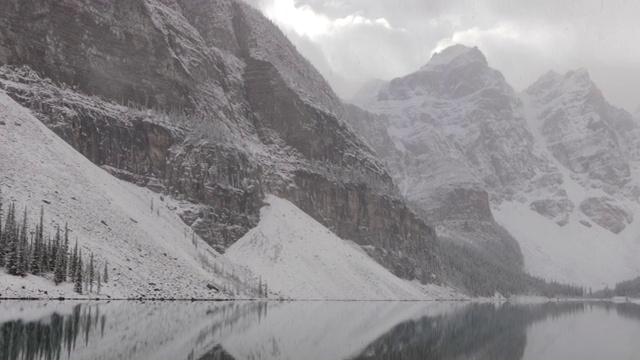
299	258
150	253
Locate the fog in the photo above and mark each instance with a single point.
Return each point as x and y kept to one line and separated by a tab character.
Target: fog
354	41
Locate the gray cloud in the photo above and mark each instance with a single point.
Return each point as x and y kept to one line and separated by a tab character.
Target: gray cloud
354	41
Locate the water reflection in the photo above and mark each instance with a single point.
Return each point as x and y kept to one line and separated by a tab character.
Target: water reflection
317	330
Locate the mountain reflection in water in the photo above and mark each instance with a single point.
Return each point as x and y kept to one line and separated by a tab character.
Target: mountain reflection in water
318	330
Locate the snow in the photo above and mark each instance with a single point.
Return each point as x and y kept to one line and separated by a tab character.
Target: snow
449	54
150	253
301	259
573	253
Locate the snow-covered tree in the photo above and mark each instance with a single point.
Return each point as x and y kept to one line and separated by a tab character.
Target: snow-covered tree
105	274
37	248
91	273
11	242
23	248
98	282
78	277
73	262
59	271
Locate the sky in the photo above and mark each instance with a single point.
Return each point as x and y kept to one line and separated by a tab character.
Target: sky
352	42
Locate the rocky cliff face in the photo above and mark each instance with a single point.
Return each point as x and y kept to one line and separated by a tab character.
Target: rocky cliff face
595	141
581	130
209	102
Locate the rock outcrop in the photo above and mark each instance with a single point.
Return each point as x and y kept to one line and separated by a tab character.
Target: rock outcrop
605	212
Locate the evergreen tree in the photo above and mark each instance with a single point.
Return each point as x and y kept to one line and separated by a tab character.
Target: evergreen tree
105	275
73	263
45	256
98	283
59	272
55	247
78	276
12	241
91	273
65	252
36	258
23	244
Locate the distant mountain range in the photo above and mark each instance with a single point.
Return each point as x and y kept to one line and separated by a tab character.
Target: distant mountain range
556	165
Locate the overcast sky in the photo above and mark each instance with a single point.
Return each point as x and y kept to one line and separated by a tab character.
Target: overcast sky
354	41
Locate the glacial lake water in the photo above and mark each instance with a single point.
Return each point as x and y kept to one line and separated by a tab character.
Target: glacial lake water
318	330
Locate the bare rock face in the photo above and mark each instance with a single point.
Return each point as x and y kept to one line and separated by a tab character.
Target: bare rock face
208	101
605	212
558	210
583	131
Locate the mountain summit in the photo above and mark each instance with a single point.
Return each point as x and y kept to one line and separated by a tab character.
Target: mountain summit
456	54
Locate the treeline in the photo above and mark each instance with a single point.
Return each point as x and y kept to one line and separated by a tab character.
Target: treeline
628	288
483	273
25	250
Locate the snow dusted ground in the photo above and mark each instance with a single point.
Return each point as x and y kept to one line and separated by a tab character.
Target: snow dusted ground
573	253
150	253
299	258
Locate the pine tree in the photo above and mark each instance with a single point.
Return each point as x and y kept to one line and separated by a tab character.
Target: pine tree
105	275
78	275
23	256
59	272
45	256
12	241
98	283
73	263
91	273
65	252
36	258
55	248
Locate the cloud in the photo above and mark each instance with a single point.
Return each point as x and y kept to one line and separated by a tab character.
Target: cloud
354	41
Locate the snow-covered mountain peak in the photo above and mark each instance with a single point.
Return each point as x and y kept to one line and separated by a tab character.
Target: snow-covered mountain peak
573	83
456	72
455	54
580	74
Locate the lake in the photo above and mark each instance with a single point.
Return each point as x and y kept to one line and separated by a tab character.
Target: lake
318	330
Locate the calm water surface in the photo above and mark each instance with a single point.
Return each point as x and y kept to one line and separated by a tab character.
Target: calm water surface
318	330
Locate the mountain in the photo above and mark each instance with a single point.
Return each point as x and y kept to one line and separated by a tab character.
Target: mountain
455	143
150	253
553	165
208	103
